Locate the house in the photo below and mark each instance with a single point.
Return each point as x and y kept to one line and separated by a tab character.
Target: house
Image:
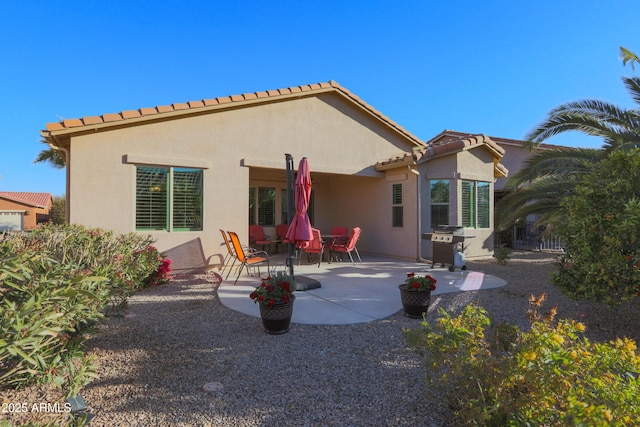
526	234
183	171
516	153
23	210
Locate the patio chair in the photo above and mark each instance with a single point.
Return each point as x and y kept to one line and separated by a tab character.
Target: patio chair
340	231
316	246
281	231
257	236
254	259
348	246
230	255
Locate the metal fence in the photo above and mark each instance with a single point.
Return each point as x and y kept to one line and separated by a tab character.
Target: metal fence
530	238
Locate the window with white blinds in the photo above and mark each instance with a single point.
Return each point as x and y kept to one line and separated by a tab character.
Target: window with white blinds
468	204
168	196
151	198
267	206
187	199
397	210
475	204
439	201
484	202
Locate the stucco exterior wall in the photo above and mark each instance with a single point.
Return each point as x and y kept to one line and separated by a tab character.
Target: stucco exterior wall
472	165
340	141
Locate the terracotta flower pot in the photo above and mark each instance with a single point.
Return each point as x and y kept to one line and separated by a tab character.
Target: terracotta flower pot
276	318
414	303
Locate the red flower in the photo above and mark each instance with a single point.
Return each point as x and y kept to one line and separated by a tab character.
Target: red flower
415	285
286	286
253	295
285	298
411	274
271	302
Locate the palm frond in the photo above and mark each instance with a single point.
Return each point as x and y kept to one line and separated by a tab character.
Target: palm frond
633	86
563	161
50	156
628	56
541	197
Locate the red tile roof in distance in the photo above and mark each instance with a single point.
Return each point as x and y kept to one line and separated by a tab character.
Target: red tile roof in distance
39	200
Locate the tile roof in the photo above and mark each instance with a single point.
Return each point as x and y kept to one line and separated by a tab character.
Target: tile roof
448	134
447	147
455	145
38	200
202	106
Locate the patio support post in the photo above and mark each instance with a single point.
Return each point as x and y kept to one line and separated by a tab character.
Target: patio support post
291	257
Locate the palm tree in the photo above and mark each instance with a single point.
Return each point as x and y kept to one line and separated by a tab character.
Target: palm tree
52	156
549	176
539	187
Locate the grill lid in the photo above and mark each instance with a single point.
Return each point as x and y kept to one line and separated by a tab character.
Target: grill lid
456	230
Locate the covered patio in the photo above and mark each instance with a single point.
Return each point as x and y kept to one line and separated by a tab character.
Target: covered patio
350	293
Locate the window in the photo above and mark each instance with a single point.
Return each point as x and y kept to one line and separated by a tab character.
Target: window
468	204
397	211
475	204
284	209
439	201
266	206
168	198
252	205
483	204
262	206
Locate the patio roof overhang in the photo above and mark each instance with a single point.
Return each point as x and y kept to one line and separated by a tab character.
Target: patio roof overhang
371	171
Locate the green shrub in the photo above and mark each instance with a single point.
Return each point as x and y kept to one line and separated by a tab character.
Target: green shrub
46	309
55	284
551	375
601	233
57	213
125	260
501	255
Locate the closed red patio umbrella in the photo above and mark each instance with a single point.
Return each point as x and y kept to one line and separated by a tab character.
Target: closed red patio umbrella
299	232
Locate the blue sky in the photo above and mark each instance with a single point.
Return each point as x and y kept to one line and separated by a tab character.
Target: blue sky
493	67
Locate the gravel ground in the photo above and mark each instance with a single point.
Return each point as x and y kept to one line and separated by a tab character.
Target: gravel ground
178	337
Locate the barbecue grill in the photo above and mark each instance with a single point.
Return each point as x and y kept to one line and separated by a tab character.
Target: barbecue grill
448	244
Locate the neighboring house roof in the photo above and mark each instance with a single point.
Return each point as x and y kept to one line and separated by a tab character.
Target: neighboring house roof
66	128
36	200
455	145
446	147
452	134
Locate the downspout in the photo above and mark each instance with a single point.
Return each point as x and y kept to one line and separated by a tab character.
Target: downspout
415	171
67	160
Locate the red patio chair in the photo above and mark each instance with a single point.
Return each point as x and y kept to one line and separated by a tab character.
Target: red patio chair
281	231
348	246
257	236
316	246
341	232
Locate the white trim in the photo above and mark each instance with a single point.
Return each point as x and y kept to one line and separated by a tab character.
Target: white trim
163	161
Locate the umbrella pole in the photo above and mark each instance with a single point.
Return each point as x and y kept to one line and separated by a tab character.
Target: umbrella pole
289	160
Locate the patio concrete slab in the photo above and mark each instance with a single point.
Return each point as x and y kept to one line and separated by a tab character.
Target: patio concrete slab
350	293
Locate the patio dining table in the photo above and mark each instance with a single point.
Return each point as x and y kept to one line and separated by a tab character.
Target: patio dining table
328	240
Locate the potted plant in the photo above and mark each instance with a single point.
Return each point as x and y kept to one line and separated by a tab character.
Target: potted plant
415	294
275	298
